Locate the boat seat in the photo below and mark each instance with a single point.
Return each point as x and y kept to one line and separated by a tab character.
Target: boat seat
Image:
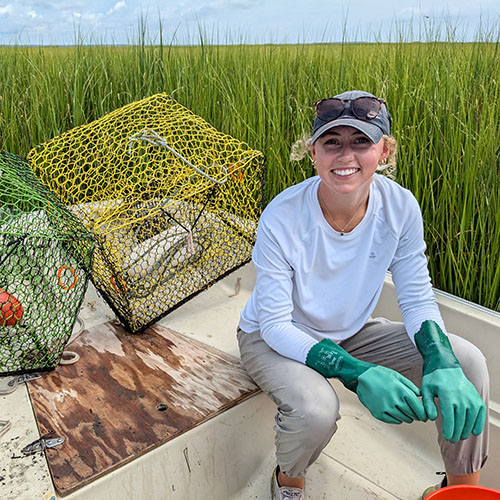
127	395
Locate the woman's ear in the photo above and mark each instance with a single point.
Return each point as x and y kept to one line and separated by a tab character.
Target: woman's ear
385	152
313	154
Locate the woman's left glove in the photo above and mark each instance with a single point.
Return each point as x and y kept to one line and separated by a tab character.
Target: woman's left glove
462	409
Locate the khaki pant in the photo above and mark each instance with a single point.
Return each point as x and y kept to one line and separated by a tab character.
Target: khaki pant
308	407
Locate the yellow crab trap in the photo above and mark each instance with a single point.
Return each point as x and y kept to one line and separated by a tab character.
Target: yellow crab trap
172	203
45	259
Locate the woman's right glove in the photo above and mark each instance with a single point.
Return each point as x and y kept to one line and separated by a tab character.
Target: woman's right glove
389	396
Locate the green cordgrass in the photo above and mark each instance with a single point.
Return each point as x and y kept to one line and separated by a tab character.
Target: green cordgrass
443	96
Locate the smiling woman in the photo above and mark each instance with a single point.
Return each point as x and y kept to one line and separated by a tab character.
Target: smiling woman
322	252
347	149
346	160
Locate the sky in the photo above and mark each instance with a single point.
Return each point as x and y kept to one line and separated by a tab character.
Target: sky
59	22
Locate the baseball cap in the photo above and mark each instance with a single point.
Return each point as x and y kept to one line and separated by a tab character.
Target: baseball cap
374	129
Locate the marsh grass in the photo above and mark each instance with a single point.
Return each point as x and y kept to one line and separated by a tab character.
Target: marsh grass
444	99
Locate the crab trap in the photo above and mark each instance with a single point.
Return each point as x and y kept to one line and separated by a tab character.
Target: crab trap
45	259
172	203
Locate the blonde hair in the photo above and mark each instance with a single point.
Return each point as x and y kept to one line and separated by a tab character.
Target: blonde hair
302	146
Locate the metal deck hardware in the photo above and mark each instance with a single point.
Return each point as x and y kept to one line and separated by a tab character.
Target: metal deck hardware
10	385
43	443
27	377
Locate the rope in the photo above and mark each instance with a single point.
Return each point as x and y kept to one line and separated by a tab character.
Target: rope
153	138
71	357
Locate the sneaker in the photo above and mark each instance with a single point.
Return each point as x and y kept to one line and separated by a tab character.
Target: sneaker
432	489
284	492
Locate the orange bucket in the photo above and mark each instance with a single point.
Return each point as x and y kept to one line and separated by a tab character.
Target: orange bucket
464	492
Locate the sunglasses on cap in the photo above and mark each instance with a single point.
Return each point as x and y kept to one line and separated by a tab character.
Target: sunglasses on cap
364	108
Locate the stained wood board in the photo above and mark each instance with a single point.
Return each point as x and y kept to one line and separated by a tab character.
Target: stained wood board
105	405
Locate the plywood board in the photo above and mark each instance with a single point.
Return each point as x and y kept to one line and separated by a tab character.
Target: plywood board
106	405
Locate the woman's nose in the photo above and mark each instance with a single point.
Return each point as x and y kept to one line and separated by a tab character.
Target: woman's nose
345	150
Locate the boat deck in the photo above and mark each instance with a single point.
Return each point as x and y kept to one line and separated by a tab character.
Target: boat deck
230	456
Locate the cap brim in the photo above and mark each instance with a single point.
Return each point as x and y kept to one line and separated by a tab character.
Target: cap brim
371	131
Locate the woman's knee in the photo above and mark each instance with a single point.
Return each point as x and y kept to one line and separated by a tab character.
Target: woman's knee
316	411
472	361
323	417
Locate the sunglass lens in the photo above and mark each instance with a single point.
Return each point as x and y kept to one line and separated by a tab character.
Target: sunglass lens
329	109
366	108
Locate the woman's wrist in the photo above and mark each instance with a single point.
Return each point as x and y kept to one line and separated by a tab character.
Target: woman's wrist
435	347
331	360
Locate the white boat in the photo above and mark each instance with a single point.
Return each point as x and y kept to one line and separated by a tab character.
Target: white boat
230	456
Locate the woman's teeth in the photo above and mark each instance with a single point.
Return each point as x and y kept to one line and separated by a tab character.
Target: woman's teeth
345	172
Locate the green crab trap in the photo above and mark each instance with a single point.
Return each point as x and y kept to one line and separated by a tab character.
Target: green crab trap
45	259
172	203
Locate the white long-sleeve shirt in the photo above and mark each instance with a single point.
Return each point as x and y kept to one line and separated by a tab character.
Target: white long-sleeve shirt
314	283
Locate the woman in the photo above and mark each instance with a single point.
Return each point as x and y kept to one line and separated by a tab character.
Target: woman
322	251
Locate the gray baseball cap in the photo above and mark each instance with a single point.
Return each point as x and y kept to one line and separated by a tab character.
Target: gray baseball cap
373	129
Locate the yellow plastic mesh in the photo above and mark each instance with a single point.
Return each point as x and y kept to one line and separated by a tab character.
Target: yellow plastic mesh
172	202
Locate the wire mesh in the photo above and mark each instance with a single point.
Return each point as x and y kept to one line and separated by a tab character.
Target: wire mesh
172	203
45	259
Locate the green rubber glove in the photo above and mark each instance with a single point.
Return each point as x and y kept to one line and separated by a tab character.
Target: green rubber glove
462	409
389	396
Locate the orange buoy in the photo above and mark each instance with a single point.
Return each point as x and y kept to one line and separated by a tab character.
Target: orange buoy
11	310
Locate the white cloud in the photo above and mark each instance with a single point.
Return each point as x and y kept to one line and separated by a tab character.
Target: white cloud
412	12
230	4
241	4
90	17
8	9
217	9
255	20
116	7
56	5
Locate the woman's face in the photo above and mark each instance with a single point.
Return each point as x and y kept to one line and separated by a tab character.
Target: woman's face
346	159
